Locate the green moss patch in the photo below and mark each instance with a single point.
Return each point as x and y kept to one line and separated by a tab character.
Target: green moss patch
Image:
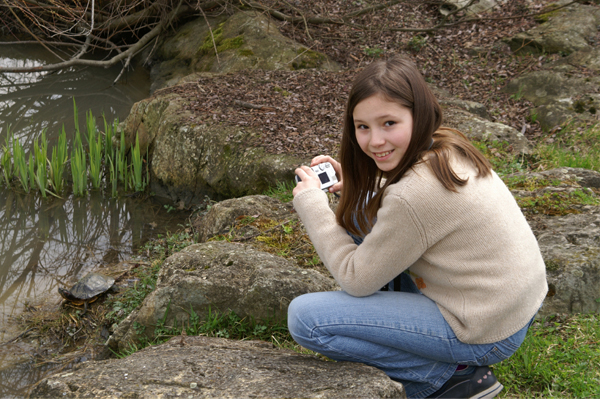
307	59
284	238
208	46
245	52
557	203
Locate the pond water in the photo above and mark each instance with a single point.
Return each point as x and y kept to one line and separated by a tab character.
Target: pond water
48	243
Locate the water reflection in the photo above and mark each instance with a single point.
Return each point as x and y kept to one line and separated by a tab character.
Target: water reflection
47	244
31	102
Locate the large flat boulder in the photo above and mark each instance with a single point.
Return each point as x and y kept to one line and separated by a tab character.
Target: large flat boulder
203	367
219	277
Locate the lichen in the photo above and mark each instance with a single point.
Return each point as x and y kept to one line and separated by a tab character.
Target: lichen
552	264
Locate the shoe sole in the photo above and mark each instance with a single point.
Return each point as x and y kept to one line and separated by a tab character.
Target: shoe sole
489	393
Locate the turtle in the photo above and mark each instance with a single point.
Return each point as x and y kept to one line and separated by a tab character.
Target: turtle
87	289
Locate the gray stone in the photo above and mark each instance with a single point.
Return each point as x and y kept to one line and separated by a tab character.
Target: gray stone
484	130
545	87
222	277
570	246
588	58
246	40
558	96
478	7
583	177
203	367
566	31
469	106
191	161
223	215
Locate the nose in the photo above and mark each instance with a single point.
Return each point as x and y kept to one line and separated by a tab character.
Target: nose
377	138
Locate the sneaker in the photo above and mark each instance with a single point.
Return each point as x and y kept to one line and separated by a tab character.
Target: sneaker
480	384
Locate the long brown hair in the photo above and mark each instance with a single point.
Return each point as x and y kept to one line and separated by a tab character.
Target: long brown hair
397	80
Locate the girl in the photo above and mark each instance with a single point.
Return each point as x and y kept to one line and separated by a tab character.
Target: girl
422	214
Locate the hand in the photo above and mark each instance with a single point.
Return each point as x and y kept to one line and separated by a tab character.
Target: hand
309	179
336	166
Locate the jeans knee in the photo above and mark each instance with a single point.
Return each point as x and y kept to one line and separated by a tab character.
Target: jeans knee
298	310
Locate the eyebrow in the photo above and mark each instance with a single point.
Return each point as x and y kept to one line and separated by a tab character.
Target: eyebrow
386	116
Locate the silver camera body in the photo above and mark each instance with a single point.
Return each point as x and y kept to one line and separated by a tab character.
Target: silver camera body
326	174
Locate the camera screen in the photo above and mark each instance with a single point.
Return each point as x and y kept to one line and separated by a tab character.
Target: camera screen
324	178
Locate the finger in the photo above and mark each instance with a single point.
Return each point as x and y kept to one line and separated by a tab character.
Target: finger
336	187
309	171
320	159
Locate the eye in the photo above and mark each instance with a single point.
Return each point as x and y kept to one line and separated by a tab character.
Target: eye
361	127
389	123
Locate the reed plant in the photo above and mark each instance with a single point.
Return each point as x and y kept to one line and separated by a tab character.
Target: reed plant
31	171
6	160
109	134
109	164
58	163
21	169
41	161
137	163
122	160
95	150
78	167
113	175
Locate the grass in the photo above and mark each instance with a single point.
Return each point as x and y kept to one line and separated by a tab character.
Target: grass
560	358
573	146
281	191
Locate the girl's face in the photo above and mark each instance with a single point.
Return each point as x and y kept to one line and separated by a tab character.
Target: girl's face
383	130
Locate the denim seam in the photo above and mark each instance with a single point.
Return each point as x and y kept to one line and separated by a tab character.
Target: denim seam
372	362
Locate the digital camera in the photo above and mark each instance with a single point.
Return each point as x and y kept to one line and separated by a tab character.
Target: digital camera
326	175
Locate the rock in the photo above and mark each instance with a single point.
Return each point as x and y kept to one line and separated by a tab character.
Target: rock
569	243
558	96
477	7
203	367
484	130
190	161
222	215
566	31
545	87
469	106
246	40
588	58
584	177
222	277
570	246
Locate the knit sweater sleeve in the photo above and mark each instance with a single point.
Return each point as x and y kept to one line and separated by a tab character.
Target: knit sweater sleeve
396	241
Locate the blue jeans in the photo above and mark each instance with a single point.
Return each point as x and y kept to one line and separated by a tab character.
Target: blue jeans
402	333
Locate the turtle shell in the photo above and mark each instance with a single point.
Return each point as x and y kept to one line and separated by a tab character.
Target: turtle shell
91	285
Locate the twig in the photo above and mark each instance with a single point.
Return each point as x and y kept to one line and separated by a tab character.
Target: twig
17	337
252	106
303	18
211	35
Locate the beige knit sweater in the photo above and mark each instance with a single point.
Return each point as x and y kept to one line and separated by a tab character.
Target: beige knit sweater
471	252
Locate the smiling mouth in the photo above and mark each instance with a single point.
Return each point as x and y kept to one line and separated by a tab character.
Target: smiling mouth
382	154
